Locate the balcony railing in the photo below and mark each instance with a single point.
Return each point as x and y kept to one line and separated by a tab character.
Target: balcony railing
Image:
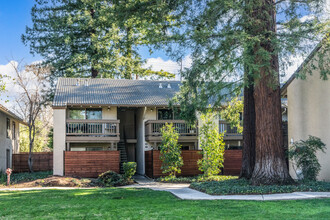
224	127
92	128
186	131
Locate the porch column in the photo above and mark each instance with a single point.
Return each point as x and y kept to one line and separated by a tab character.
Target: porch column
59	117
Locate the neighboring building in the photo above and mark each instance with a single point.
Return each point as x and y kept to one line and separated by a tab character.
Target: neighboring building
117	115
309	109
9	137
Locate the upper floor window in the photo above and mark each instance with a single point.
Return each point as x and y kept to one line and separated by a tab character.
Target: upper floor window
168	114
8	128
14	131
89	114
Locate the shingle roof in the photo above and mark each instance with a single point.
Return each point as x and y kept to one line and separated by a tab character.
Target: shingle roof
10	113
119	92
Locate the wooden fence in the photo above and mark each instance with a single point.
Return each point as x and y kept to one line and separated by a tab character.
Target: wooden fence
90	163
232	163
41	162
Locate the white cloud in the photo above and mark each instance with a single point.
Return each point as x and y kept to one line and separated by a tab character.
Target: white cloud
170	66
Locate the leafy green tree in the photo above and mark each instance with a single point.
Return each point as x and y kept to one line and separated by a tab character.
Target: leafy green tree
247	42
232	113
88	38
303	153
212	144
170	151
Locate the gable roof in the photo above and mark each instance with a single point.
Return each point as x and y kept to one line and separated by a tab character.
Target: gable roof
118	92
11	114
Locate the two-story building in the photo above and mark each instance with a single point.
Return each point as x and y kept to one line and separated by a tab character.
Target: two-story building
9	137
101	122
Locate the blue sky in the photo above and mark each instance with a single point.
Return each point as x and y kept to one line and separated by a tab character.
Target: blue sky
14	17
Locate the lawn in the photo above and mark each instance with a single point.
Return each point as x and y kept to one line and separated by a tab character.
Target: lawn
115	203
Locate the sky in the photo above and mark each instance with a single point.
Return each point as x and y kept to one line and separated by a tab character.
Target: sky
15	16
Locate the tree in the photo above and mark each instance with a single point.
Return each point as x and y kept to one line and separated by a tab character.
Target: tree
88	38
170	151
247	43
212	144
32	82
232	113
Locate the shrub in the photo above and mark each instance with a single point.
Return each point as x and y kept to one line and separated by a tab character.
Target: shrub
129	170
170	151
212	145
111	178
303	153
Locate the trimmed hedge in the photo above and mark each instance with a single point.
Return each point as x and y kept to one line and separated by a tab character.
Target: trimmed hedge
243	187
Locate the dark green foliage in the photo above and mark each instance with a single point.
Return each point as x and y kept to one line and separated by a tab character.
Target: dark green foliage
90	38
50	138
111	178
23	177
129	170
170	151
303	153
242	186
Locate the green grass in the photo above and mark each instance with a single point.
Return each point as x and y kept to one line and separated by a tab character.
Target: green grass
241	186
23	177
112	203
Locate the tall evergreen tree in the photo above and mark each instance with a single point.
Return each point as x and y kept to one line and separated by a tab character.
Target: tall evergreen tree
88	38
248	42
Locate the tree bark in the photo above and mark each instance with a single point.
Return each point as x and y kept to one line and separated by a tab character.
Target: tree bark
270	165
249	117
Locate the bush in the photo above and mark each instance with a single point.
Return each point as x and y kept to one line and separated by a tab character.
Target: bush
303	153
212	145
111	178
24	177
242	186
129	170
170	151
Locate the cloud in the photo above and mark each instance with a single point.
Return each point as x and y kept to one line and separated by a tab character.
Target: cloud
170	66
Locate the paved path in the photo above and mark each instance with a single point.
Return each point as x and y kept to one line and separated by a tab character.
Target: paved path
182	191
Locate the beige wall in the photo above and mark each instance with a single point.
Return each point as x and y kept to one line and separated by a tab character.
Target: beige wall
110	114
309	114
59	116
7	143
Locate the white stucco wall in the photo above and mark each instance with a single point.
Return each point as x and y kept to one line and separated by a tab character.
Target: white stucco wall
59	117
143	114
309	114
7	143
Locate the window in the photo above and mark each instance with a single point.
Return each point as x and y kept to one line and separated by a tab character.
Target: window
8	127
89	114
7	159
93	114
14	131
168	114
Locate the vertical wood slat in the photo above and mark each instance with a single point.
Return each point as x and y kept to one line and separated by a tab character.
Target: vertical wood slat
90	163
41	162
232	163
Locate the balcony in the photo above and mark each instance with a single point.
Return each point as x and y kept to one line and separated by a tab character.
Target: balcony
188	133
229	132
93	131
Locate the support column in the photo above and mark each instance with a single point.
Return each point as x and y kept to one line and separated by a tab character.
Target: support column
59	117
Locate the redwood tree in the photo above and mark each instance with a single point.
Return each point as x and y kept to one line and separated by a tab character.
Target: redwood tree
245	43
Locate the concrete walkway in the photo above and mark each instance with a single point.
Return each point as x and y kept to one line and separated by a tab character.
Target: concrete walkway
183	191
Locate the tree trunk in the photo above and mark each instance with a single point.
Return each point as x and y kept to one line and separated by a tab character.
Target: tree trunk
270	165
248	151
30	159
95	72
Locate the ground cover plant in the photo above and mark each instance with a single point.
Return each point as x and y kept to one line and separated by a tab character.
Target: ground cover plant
114	203
23	177
192	179
242	186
